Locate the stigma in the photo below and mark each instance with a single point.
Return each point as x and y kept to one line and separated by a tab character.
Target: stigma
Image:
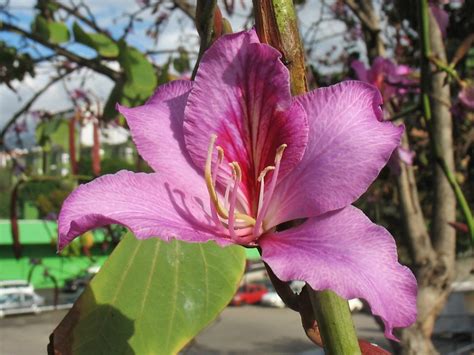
241	227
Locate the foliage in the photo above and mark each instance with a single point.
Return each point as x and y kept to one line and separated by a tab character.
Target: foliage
103	44
151	297
14	64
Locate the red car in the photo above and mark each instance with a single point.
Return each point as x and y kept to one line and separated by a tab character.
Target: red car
249	294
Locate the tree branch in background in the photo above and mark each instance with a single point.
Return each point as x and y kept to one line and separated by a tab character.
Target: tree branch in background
364	11
187	8
435	258
30	102
74	11
93	64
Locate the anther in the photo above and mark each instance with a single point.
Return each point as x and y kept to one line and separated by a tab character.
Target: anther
279	152
209	178
264	172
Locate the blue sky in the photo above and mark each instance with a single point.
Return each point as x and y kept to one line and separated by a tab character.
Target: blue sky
109	15
179	31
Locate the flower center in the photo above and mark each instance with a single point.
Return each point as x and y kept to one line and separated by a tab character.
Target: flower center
241	227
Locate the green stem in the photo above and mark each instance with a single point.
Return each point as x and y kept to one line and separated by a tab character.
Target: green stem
276	25
446	68
335	323
425	74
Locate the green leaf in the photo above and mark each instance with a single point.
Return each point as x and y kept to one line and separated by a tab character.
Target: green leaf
40	27
140	76
58	32
55	32
115	96
150	297
181	64
54	131
104	45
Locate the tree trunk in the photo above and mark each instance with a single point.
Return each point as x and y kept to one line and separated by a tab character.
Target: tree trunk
437	274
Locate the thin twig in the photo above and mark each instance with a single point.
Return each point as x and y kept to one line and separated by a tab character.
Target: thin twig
93	64
30	102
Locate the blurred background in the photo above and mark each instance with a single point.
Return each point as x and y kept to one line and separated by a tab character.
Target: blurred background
64	65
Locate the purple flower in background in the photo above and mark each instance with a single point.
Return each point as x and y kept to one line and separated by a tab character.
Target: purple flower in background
441	16
466	96
236	155
400	155
392	80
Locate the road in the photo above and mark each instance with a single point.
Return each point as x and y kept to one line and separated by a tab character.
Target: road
239	330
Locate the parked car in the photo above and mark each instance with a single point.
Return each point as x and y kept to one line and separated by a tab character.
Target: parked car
249	294
271	299
7	286
77	284
20	301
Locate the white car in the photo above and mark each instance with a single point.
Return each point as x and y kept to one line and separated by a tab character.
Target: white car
8	286
271	299
17	301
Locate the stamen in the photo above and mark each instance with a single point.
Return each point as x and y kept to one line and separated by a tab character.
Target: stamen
210	183
209	179
261	179
226	195
220	158
264	172
271	189
237	175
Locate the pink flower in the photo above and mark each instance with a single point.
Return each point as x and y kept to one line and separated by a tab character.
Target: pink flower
391	79
236	155
466	96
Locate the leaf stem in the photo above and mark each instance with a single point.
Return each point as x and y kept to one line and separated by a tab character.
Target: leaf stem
205	10
335	323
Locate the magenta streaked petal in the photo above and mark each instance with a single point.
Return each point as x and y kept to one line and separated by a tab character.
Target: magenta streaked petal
149	205
157	127
348	146
345	252
242	94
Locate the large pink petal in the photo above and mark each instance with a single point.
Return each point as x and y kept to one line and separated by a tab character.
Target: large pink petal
242	94
149	205
348	146
157	127
345	252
